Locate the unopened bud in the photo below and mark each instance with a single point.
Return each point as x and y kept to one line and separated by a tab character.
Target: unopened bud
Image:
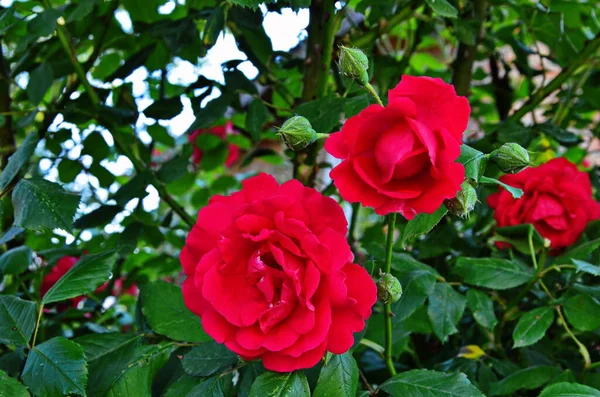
297	133
354	65
464	202
389	289
511	158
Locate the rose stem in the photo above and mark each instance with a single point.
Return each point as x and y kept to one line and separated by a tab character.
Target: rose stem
387	308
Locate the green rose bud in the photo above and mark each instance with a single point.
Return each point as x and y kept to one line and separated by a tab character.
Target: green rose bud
354	65
464	202
511	158
389	289
297	133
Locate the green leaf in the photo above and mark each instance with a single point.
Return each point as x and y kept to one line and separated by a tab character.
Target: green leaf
532	326
216	386
581	252
256	117
565	389
161	135
84	277
213	27
580	267
18	160
11	234
68	170
165	312
417	280
582	312
249	375
442	8
10	387
528	378
137	378
210	113
40	204
493	273
514	191
98	217
474	161
17	320
108	355
339	377
174	169
56	368
563	136
164	109
518	236
16	260
95	145
40	80
446	307
81	10
135	188
44	23
323	114
426	383
208	358
354	105
422	224
272	384
482	307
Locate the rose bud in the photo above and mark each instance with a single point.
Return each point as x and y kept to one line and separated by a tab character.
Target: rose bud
297	133
511	158
464	202
354	65
389	289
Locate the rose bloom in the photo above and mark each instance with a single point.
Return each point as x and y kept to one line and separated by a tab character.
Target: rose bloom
221	131
557	200
63	265
401	158
271	274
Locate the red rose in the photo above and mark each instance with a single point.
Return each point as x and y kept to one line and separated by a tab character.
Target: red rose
557	200
400	158
221	131
271	274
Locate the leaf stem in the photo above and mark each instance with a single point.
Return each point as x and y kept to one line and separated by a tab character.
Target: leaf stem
582	349
37	324
372	91
387	308
353	222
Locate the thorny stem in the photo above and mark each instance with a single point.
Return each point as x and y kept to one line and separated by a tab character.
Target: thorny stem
387	308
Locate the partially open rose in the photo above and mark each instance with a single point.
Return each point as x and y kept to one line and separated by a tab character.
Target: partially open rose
271	274
401	158
557	200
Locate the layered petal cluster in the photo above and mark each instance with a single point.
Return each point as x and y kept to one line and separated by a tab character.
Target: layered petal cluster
270	273
557	200
221	131
401	158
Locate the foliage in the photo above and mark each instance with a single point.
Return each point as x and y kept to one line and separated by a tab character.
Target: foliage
96	99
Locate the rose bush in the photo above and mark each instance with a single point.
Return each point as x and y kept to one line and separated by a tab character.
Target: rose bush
401	157
557	201
271	274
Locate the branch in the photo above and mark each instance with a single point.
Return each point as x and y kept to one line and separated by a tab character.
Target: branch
383	27
463	65
120	143
7	139
319	49
590	50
